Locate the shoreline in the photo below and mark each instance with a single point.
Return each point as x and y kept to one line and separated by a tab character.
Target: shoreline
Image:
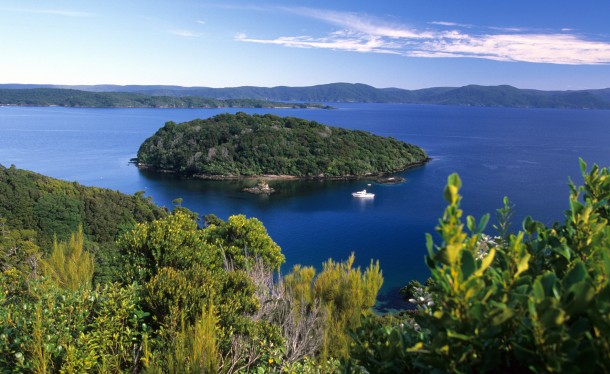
276	177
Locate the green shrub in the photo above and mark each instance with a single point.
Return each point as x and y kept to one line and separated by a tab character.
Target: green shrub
537	300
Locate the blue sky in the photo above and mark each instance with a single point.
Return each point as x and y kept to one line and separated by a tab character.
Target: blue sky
395	43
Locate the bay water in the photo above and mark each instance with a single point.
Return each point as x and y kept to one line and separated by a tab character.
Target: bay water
525	154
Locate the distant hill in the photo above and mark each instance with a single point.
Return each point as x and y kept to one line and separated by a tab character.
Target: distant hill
472	95
45	96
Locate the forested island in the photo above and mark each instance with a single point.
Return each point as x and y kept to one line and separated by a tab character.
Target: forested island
470	95
187	298
242	145
85	99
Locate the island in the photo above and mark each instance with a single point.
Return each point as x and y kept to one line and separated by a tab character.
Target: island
231	146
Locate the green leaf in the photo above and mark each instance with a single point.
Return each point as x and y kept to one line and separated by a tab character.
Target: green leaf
501	315
523	264
468	264
529	225
549	282
583	165
551	317
483	223
564	251
454	180
471	224
451	190
577	274
486	261
455	335
538	290
578	297
430	244
606	260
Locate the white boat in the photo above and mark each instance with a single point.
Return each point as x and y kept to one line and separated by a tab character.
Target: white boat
363	194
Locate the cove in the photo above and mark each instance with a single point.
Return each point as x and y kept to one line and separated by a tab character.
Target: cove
525	154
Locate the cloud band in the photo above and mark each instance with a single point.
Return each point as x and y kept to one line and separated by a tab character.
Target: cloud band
365	34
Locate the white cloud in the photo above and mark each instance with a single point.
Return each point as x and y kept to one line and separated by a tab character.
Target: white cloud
361	23
450	24
365	34
538	48
185	33
337	41
509	29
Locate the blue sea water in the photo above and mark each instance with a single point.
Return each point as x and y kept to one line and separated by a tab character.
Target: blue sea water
525	154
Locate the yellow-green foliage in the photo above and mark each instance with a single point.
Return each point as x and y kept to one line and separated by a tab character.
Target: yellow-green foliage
69	265
242	240
299	284
18	250
534	301
346	293
173	241
184	268
55	329
194	349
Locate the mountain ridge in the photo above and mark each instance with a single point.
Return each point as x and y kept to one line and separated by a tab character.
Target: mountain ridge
470	95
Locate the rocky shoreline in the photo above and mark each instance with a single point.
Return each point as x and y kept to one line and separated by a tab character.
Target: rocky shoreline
383	178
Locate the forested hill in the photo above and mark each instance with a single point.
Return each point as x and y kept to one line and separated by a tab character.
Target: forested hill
471	95
251	145
52	207
79	98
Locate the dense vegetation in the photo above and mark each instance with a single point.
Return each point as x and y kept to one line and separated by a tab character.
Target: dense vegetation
182	298
472	95
534	301
188	299
38	209
76	98
249	145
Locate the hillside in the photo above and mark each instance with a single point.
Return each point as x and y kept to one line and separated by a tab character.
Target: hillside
55	207
471	95
243	145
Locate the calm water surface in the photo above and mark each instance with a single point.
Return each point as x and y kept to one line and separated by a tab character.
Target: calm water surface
526	154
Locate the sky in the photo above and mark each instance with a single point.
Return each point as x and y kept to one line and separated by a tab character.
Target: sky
411	44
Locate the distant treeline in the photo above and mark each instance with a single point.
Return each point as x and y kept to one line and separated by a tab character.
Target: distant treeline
251	145
471	95
77	98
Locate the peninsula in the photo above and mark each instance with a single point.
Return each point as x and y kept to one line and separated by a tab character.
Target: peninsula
229	146
71	98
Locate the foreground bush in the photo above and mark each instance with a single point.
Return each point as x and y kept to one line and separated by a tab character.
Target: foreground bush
537	300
